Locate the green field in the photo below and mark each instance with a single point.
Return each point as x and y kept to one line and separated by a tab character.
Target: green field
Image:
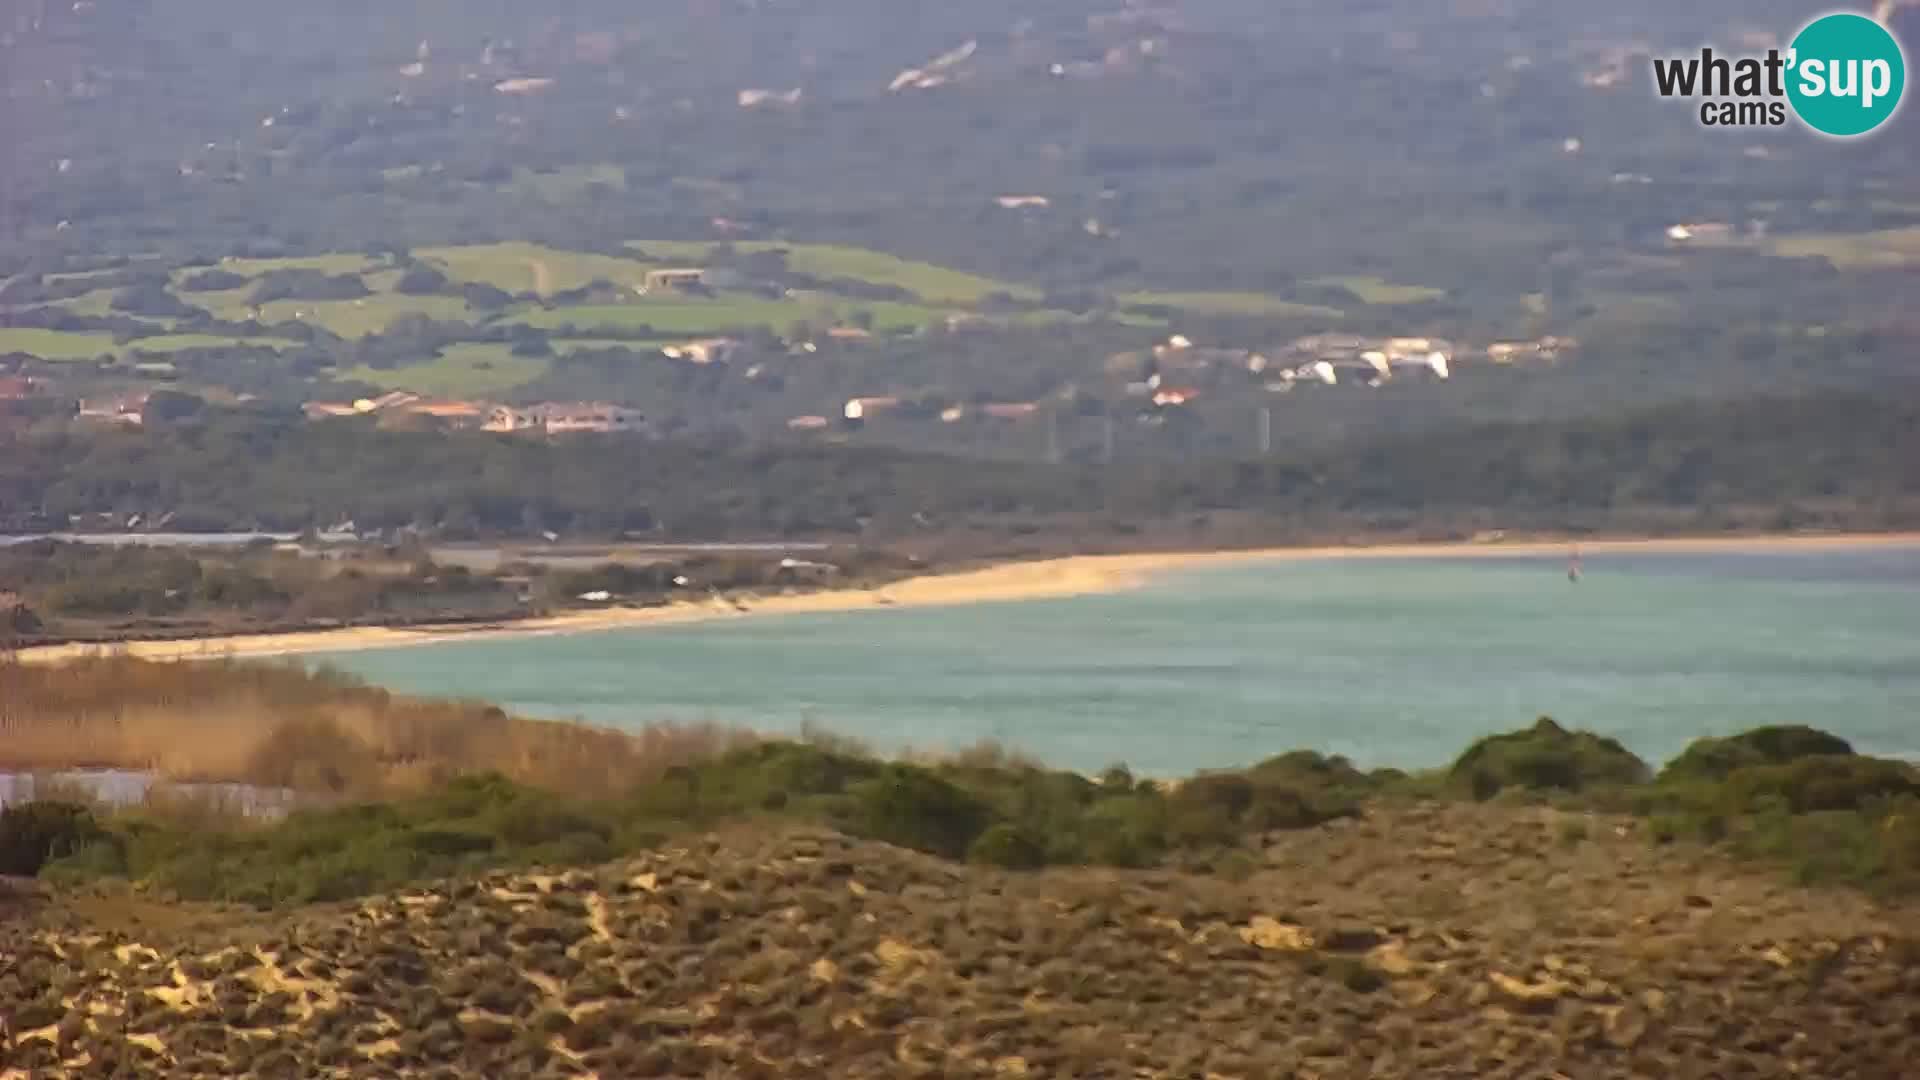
696	315
56	344
468	369
88	345
934	284
519	268
78	275
348	318
1879	250
98	303
339	262
169	343
568	183
584	344
1252	304
526	267
1374	290
1054	318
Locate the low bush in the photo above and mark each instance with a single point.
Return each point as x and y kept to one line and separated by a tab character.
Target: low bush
1545	757
1007	846
37	833
1716	759
580	797
1813	784
913	808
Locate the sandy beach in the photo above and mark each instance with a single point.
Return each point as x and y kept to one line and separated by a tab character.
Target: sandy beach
1078	575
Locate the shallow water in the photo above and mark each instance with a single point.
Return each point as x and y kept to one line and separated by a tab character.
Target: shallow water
1388	661
126	787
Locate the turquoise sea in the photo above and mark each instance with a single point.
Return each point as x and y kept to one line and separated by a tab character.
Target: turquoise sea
1388	661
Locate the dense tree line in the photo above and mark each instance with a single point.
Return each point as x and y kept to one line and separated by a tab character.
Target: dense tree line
232	469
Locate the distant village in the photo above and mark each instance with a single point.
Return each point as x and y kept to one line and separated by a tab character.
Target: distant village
549	418
1160	379
1153	378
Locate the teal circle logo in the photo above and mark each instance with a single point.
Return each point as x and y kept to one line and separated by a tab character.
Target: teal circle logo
1846	74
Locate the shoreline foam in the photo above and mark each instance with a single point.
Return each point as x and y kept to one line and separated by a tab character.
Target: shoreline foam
1056	578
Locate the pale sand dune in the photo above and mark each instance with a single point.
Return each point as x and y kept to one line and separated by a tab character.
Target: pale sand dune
1078	575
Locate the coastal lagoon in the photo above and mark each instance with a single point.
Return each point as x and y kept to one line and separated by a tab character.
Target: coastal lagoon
1389	661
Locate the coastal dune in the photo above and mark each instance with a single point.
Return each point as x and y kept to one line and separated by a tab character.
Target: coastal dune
1058	578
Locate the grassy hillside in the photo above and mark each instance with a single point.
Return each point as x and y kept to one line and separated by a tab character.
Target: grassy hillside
463	369
550	289
934	284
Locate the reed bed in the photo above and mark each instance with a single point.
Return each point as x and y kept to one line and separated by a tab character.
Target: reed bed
282	725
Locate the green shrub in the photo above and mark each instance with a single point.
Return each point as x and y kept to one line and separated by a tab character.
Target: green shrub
451	841
1310	770
1545	757
1126	832
770	777
910	807
1716	759
1810	784
1217	807
35	833
1236	866
1007	846
105	856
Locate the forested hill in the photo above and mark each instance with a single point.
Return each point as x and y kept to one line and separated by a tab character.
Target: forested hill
993	202
1796	459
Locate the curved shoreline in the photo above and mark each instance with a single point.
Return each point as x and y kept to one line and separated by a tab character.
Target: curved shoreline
1056	578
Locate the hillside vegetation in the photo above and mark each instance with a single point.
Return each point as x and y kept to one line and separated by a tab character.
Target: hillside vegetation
1782	462
467	787
676	904
1433	939
298	205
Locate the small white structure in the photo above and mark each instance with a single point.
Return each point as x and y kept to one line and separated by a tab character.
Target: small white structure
861	408
753	99
522	86
704	351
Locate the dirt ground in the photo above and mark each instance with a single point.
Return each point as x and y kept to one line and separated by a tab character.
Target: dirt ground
1425	941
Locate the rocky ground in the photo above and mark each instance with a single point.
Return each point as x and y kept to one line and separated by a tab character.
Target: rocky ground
1421	941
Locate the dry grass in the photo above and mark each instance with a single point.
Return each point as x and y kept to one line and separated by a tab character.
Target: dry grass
281	725
764	951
